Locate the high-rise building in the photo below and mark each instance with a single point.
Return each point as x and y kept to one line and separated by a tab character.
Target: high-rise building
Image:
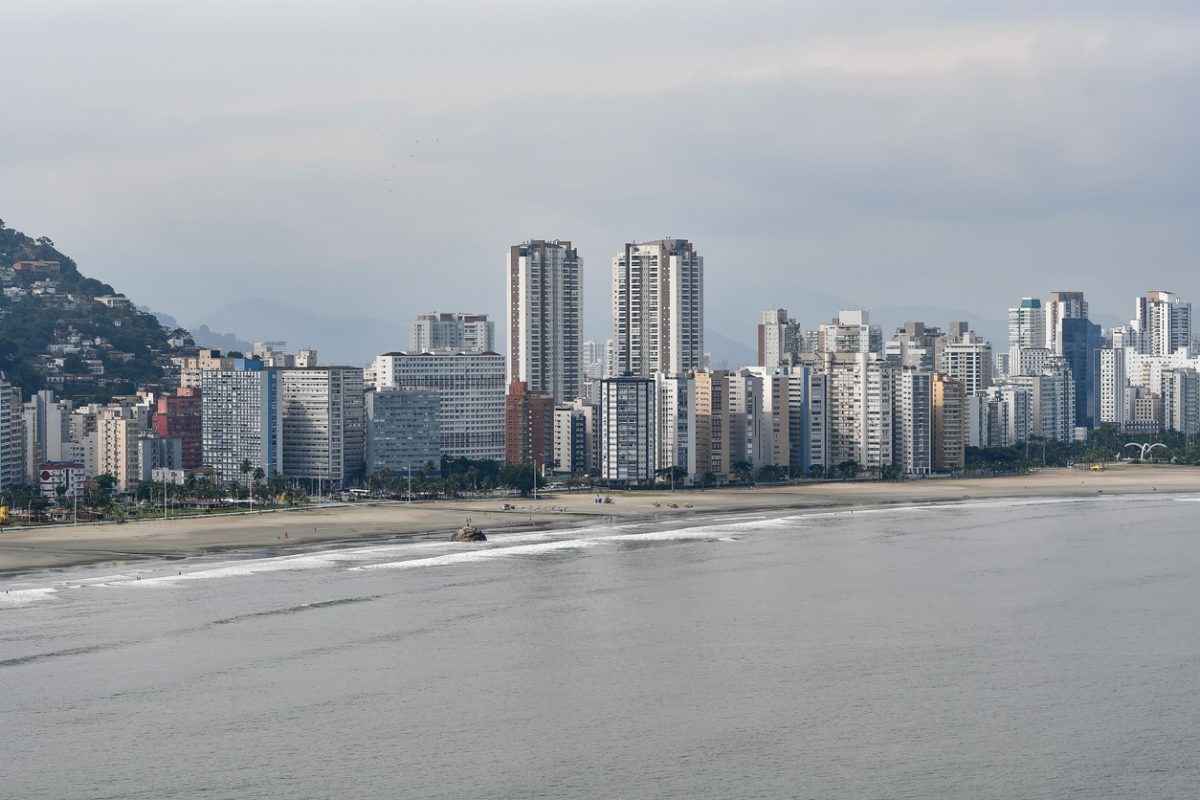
627	429
852	332
714	427
471	387
968	360
1080	343
545	318
242	419
860	409
576	437
1062	306
323	423
912	439
1027	324
528	427
403	432
178	416
780	338
118	431
949	422
47	430
1165	323
675	398
1112	384
457	331
658	308
12	437
1181	401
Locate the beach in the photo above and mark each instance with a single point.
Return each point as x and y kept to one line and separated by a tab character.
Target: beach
60	546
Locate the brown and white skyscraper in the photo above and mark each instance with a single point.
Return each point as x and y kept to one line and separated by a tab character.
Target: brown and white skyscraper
545	318
658	308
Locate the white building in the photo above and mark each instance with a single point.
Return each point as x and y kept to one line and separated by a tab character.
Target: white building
471	387
968	360
12	436
456	331
545	318
242	419
658	308
1111	385
1165	322
780	338
323	423
627	430
576	437
912	436
1027	324
675	403
851	333
860	409
1181	401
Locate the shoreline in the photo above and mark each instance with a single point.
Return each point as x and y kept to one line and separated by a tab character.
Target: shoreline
35	549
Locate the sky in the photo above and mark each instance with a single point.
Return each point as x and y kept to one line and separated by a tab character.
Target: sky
375	160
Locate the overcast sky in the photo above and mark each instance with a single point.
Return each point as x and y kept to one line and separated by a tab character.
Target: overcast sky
378	158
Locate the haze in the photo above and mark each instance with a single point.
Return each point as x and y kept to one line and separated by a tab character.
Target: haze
375	159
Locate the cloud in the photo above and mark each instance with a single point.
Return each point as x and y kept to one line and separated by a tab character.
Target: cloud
376	158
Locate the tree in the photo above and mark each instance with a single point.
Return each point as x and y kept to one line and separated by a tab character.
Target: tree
849	469
890	472
245	468
742	471
817	471
519	477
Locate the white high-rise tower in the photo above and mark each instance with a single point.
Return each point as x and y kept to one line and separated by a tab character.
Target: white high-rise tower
545	318
658	308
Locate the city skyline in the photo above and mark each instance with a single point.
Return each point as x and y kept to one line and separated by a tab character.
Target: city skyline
888	154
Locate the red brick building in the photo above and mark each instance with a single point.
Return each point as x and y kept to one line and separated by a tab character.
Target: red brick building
528	427
178	417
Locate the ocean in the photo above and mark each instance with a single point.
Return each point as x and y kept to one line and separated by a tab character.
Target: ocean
995	649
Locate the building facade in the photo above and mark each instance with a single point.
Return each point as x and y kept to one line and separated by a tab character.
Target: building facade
242	419
323	424
403	429
471	388
545	318
658	308
627	430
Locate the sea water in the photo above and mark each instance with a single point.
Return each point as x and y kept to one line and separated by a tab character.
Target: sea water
1003	649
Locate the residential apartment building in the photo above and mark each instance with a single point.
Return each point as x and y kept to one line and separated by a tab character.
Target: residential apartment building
658	308
455	331
627	430
545	318
714	426
471	387
1062	306
780	338
403	429
323	418
1027	324
912	439
242	420
178	416
528	427
948	420
1164	321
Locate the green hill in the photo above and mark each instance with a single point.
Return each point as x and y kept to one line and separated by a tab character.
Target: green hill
55	333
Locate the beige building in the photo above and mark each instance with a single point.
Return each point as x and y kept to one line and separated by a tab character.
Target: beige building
949	422
713	432
190	367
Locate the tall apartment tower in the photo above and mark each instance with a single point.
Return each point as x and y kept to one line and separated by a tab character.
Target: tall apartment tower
1165	323
545	318
658	308
1027	324
241	419
948	398
1062	305
434	331
779	338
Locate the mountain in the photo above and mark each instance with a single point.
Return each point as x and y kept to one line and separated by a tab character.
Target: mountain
349	340
61	329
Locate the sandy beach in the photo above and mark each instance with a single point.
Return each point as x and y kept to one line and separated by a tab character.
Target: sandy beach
28	549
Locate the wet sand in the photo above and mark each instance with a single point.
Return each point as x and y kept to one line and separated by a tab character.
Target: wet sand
40	548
